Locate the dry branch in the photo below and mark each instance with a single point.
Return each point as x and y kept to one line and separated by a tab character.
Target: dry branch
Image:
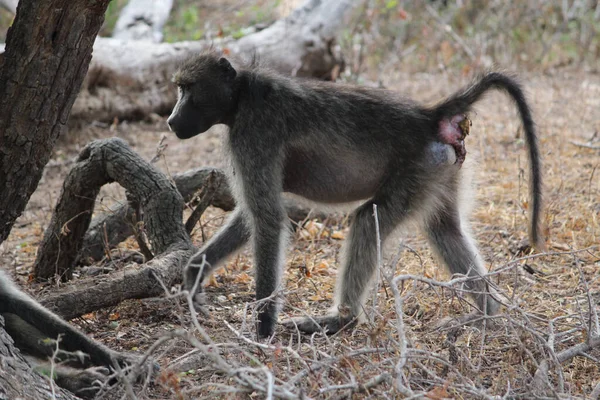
143	20
9	5
138	282
585	145
208	192
102	162
109	230
541	383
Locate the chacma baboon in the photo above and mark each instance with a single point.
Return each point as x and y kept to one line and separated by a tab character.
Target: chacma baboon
336	143
82	363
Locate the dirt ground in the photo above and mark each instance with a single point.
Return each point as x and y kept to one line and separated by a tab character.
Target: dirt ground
567	111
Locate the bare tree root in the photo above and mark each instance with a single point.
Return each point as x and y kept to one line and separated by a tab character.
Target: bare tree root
138	282
99	163
148	190
108	230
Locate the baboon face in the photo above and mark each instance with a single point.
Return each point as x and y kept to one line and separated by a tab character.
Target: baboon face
206	88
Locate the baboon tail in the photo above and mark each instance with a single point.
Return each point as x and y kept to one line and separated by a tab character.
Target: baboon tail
462	101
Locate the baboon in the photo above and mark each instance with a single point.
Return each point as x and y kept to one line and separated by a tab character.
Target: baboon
82	363
337	143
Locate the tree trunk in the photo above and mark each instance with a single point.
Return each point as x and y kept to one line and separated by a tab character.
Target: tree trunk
48	50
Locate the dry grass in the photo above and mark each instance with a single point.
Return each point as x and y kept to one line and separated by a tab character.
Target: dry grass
551	299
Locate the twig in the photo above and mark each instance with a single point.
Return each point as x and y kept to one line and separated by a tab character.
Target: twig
357	387
586	145
138	231
393	283
593	322
208	192
378	243
541	375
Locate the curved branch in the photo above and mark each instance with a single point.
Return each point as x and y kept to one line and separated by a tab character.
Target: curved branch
138	282
108	230
101	162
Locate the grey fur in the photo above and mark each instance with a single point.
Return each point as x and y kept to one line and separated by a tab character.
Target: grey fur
331	143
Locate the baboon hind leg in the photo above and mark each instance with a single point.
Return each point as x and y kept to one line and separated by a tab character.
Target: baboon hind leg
360	256
451	239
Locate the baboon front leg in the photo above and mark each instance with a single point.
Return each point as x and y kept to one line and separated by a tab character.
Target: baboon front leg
85	383
269	248
229	239
456	248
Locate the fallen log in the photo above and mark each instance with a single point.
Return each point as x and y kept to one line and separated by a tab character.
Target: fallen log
143	20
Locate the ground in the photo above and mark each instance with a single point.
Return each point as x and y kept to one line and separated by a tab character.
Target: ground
567	111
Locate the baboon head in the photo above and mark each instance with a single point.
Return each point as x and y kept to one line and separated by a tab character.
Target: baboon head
205	95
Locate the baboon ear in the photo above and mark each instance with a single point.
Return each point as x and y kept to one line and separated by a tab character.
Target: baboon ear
226	67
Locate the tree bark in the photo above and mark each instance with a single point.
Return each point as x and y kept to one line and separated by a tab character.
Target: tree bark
47	55
48	50
16	379
101	162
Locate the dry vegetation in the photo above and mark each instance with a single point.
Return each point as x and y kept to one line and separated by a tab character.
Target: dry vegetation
551	299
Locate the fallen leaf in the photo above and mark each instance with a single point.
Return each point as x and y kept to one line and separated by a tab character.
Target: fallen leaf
439	392
338	235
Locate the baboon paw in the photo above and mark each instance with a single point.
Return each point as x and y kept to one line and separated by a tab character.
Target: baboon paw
85	383
199	304
330	324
